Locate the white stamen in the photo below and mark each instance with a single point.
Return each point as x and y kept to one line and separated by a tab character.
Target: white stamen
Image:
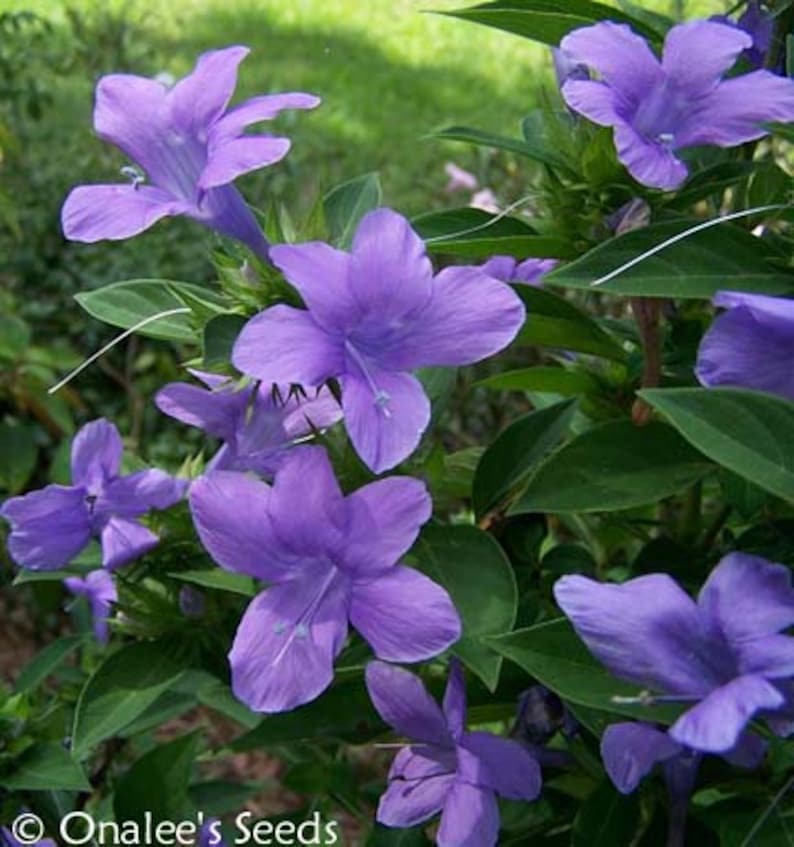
134	174
683	235
111	344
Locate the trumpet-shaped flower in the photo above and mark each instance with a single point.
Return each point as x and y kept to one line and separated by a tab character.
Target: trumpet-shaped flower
257	425
51	526
374	315
329	560
658	108
444	768
190	146
750	345
99	590
723	655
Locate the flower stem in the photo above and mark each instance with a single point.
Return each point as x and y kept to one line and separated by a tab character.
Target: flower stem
647	311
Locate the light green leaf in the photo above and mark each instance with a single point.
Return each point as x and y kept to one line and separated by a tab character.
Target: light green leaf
218	580
523	147
346	205
554	380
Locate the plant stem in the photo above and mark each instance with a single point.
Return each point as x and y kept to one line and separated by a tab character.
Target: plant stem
647	312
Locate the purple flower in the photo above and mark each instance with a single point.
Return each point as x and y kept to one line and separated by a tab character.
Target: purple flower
508	269
192	602
723	654
750	345
448	769
658	108
210	834
328	560
51	526
257	425
760	26
566	68
374	315
191	147
100	591
459	179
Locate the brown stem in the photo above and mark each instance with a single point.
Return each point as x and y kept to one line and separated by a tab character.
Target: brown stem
647	313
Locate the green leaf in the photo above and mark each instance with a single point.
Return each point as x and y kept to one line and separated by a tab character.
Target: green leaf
384	836
516	452
45	767
18	454
345	205
217	797
554	380
125	304
614	465
747	432
523	147
220	333
554	322
552	653
478	234
157	784
606	819
721	257
548	21
120	690
47	661
14	336
475	571
218	580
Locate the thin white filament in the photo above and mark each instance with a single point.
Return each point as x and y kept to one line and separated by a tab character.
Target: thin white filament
685	234
451	236
111	344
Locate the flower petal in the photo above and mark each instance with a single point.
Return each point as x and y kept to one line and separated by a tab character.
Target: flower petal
200	98
748	596
134	495
224	210
532	271
96	454
646	630
717	722
454	704
283	653
621	57
500	764
405	616
470	316
48	527
231	515
630	751
285	345
650	163
770	656
124	540
384	521
320	273
216	412
262	108
99	588
304	416
697	54
595	100
402	700
390	274
735	110
114	212
751	348
238	156
748	753
417	789
386	415
470	818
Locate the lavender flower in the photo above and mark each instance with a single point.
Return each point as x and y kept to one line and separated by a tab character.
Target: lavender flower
459	179
723	654
328	560
566	68
658	108
191	147
51	526
374	315
760	26
448	769
750	345
99	590
257	425
192	602
508	269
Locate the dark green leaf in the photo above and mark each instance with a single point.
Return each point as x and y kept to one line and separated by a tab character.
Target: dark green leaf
473	568
548	21
606	819
721	257
220	333
218	580
614	465
346	204
550	379
516	452
554	322
47	661
120	690
218	798
45	767
523	147
17	455
748	432
384	836
14	336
